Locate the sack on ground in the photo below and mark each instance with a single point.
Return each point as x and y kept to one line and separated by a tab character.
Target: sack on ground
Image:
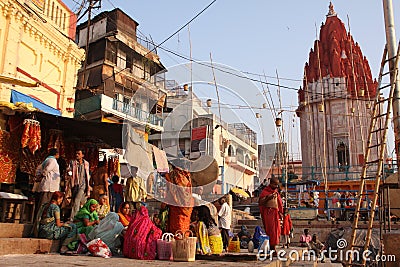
98	248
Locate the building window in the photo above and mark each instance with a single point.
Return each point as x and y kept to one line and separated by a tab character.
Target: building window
343	156
231	151
247	160
121	59
127	105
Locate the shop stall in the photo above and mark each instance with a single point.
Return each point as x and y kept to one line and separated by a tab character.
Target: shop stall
26	136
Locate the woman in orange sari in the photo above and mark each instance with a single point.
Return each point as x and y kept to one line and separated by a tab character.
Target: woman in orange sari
179	198
124	213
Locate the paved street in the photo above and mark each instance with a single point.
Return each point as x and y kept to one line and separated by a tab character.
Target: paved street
44	260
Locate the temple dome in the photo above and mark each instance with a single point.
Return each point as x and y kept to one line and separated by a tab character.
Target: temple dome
336	55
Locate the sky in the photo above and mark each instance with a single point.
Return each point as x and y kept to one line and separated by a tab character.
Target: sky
271	38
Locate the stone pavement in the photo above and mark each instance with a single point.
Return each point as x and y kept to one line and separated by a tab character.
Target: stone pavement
47	260
44	260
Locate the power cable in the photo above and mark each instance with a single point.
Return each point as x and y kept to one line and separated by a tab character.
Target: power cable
181	28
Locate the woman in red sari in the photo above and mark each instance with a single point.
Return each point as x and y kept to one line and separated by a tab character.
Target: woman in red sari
271	210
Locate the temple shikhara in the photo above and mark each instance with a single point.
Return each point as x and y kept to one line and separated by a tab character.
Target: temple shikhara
335	104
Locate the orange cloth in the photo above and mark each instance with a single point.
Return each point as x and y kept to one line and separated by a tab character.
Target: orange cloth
287	225
270	217
124	219
180	200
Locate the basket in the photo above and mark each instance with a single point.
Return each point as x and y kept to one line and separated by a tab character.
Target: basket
234	246
183	247
164	247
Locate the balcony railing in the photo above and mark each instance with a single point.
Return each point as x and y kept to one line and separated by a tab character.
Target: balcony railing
107	104
137	113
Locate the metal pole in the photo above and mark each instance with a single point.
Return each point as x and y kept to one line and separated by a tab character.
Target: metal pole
191	94
392	51
87	43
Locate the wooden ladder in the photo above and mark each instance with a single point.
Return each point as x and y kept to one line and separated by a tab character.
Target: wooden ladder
377	136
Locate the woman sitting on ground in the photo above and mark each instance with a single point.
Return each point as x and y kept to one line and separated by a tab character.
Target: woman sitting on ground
258	232
209	236
87	217
124	213
244	237
108	231
103	209
50	225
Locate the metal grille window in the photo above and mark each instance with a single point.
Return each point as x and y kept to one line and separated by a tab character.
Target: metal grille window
343	156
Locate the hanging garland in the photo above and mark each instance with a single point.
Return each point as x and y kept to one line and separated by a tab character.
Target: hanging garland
31	136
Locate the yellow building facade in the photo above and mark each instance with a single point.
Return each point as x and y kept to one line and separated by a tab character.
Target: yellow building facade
37	47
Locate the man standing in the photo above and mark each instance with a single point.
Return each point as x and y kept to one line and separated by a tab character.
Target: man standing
271	210
197	192
225	219
50	173
80	188
135	190
99	180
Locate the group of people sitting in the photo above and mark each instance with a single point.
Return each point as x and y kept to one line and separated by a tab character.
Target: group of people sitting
313	244
93	220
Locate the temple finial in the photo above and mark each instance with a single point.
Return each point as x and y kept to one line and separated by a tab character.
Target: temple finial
331	12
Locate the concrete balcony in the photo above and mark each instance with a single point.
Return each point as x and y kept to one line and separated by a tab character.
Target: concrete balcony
102	106
235	163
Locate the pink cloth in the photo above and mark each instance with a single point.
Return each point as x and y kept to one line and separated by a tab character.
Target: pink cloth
305	238
140	240
161	160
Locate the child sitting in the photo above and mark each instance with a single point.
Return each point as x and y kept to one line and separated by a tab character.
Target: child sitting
316	246
103	208
305	238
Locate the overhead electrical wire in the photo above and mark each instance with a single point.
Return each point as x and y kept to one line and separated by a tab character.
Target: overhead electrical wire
220	67
186	24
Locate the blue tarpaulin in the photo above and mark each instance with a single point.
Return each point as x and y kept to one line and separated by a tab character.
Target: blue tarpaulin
20	97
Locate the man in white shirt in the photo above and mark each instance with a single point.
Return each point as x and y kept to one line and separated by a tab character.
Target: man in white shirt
50	172
225	219
197	192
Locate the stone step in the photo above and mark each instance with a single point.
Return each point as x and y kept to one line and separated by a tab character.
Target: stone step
304	264
28	246
249	222
16	230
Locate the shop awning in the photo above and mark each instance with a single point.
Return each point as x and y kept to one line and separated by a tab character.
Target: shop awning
109	133
20	97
